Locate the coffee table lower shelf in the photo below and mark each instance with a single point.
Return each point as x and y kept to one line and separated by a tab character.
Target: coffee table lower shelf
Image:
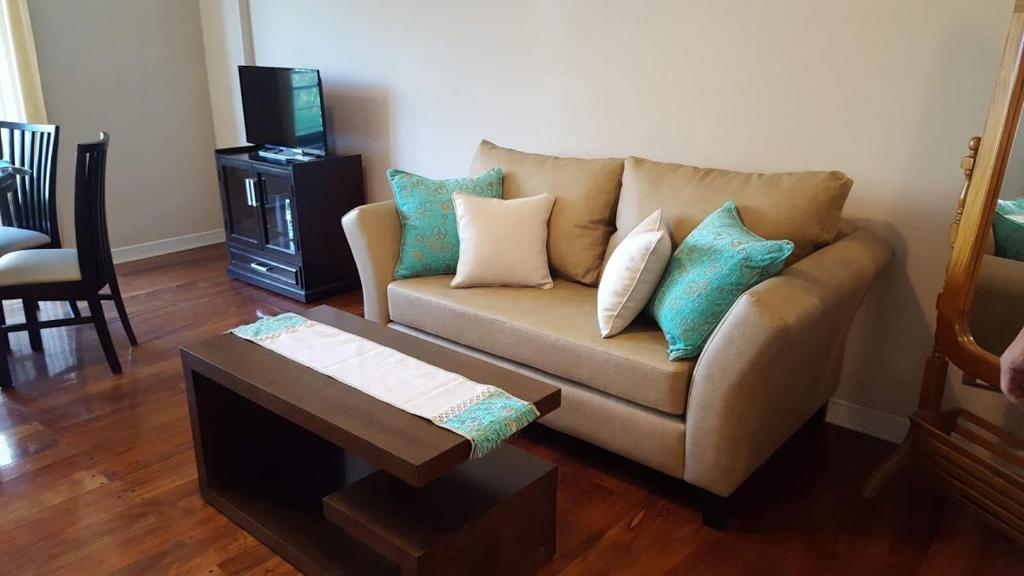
495	516
297	533
329	512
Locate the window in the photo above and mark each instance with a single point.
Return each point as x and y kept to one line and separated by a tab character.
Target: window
21	96
306	102
10	87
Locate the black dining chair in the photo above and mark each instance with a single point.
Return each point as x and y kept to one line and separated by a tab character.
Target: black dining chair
29	211
28	205
61	274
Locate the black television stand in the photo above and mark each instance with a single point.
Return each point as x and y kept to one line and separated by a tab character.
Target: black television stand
282	221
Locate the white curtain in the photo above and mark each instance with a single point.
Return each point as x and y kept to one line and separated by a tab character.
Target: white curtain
21	93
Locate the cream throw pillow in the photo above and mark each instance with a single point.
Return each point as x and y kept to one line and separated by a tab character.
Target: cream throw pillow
502	242
632	274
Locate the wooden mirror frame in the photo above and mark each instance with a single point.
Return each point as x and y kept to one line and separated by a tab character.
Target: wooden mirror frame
953	338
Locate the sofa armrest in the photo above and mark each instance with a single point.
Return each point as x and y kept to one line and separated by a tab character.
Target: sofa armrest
774	360
374	233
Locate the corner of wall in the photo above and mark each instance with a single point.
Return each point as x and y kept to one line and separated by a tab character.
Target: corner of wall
227	43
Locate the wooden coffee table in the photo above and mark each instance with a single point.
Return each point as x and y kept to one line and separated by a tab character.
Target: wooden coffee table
338	482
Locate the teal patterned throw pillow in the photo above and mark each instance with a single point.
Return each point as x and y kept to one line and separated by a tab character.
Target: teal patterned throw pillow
1008	229
719	261
430	239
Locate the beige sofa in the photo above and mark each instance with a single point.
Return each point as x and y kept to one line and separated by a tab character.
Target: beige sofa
768	367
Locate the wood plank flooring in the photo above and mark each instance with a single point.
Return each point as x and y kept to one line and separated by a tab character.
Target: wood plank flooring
97	474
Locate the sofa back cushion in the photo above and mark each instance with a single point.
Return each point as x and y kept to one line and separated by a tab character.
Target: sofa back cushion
585	194
803	207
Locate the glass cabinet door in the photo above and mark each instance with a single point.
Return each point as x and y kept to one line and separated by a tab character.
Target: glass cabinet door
242	209
279	212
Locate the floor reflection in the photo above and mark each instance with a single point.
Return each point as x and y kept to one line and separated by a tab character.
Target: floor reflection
71	364
62	347
6	452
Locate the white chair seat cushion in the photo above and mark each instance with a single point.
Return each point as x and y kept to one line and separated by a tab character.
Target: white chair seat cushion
12	239
39	267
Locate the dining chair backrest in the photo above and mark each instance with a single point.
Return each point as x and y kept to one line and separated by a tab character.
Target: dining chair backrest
32	204
93	241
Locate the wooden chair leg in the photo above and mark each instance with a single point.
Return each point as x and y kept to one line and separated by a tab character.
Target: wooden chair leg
122	313
103	332
5	345
75	312
35	339
5	372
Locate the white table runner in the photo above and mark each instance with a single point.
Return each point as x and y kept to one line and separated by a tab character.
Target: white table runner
485	415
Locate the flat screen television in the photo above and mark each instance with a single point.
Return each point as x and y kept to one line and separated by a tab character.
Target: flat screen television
283	108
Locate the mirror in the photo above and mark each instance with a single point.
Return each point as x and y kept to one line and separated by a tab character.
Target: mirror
979	312
997	306
981	309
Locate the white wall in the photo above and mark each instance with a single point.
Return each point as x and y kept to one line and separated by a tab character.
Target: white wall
887	91
136	69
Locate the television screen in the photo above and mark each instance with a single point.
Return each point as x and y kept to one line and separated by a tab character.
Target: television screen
283	107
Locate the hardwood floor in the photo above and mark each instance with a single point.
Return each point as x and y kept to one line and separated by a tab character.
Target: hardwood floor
97	474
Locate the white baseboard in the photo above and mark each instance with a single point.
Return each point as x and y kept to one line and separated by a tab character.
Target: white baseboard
167	246
867	420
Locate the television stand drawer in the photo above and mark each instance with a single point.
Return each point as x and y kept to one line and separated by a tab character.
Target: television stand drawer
262	268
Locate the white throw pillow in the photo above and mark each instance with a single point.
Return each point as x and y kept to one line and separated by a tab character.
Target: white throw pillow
502	242
632	274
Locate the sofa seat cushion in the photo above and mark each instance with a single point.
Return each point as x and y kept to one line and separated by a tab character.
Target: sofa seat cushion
552	330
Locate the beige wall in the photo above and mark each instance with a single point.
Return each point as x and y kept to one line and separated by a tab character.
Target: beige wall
1013	178
136	69
888	91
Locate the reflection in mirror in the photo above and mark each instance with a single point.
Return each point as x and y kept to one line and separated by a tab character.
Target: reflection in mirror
997	312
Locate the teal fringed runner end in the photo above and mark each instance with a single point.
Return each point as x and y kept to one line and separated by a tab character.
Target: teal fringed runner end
485	415
270	327
489	420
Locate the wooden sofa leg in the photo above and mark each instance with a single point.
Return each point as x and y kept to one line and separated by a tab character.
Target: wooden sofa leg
714	510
